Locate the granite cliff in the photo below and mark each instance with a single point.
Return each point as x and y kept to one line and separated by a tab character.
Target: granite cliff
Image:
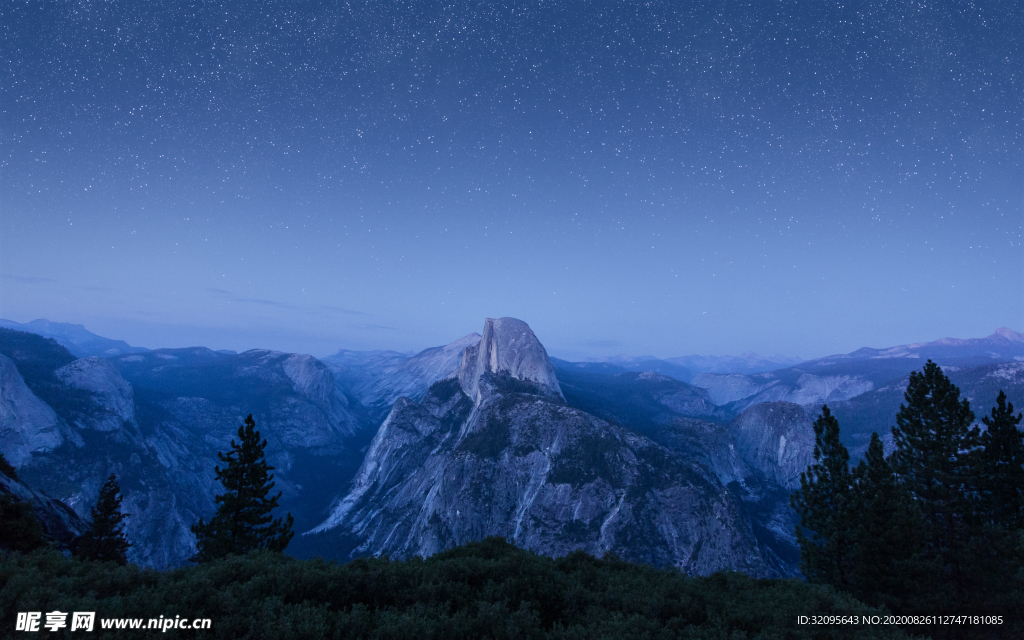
496	451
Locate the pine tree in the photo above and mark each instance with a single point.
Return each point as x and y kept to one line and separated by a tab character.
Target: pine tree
1001	467
823	503
933	460
104	539
995	559
20	530
888	538
7	469
243	521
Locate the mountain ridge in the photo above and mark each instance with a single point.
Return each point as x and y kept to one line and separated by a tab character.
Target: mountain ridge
495	451
75	337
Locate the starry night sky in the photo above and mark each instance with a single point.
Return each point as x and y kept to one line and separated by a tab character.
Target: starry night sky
667	178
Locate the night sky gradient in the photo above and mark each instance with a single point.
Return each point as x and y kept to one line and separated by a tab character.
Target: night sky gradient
657	178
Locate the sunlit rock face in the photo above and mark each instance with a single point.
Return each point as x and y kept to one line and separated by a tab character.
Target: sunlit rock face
497	452
27	424
507	345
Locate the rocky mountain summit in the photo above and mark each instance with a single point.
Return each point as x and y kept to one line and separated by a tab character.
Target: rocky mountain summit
507	346
496	451
114	399
776	439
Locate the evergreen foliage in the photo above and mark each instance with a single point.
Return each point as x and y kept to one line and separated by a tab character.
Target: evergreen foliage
19	528
888	535
445	389
243	521
995	553
934	442
506	383
823	502
1001	467
935	527
105	539
7	469
481	590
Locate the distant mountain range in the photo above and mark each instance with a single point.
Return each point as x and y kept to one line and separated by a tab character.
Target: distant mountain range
384	452
685	368
378	378
74	338
841	377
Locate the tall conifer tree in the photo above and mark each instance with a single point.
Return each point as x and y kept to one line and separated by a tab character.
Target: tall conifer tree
995	553
888	537
105	539
1001	467
823	503
243	521
933	460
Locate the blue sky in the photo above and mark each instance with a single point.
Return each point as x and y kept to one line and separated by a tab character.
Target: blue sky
654	178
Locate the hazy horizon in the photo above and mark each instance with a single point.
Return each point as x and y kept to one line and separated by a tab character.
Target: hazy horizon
800	179
553	351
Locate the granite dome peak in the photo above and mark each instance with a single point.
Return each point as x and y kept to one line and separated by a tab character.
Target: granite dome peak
507	345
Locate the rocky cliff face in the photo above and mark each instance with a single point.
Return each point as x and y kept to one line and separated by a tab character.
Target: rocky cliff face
507	345
742	391
497	452
27	424
759	456
157	421
378	378
112	396
776	439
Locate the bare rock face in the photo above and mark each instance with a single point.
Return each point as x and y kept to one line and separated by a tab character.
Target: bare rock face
379	378
27	424
313	381
729	387
777	440
548	477
789	385
157	421
688	400
507	345
113	398
308	409
514	460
